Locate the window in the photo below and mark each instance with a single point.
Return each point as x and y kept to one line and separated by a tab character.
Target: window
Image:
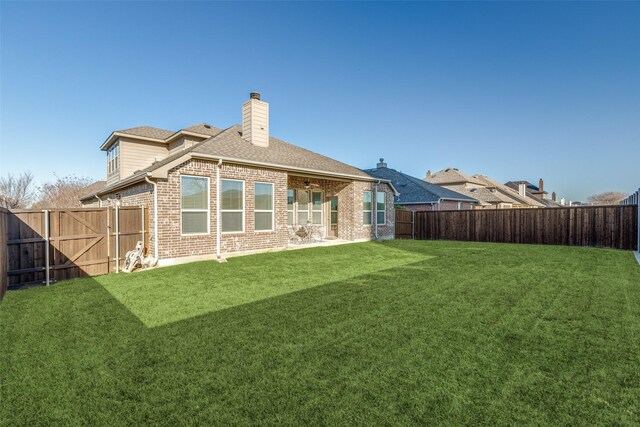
194	199
291	199
112	158
366	208
304	207
263	210
232	206
316	207
381	207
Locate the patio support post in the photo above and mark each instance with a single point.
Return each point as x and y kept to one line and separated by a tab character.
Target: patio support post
117	241
218	221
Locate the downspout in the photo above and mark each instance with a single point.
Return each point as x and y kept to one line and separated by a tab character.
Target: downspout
155	216
218	221
99	200
375	210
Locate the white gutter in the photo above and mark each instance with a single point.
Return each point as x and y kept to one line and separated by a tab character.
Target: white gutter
375	209
155	217
218	222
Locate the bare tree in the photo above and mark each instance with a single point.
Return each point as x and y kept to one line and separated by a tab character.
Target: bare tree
65	192
607	198
17	192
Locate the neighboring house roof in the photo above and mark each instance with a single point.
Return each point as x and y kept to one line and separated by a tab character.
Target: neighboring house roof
229	145
416	191
450	176
529	191
509	192
484	195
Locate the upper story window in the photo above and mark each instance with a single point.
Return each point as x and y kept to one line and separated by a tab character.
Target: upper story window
113	157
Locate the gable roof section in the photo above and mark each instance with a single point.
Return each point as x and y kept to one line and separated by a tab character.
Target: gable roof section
229	146
529	192
511	193
416	191
148	132
450	176
484	195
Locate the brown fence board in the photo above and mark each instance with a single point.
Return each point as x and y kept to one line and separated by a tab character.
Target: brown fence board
80	242
597	226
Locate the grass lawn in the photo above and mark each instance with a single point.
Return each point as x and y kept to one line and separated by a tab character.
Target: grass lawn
399	332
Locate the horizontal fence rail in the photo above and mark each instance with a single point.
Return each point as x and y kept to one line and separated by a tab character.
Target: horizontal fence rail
43	246
597	226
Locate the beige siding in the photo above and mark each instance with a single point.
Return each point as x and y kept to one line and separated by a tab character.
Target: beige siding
183	143
137	155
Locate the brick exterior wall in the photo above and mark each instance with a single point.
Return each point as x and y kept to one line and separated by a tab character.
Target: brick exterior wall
172	244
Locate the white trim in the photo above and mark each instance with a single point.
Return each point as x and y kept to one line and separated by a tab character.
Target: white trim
272	210
208	210
244	206
384	212
310	210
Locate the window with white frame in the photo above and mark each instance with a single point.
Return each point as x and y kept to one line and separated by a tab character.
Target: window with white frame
381	207
367	208
263	207
304	207
194	205
232	206
113	157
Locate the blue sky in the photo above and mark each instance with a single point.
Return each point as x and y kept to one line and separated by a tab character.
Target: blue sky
510	90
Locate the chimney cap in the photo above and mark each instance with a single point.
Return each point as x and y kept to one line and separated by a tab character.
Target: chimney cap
382	164
254	95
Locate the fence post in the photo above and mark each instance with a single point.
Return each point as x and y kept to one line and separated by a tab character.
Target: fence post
47	238
413	225
117	241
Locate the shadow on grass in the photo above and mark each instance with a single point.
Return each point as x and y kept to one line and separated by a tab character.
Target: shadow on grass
177	293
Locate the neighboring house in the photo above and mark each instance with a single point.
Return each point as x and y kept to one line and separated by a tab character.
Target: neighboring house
536	193
418	195
489	193
212	191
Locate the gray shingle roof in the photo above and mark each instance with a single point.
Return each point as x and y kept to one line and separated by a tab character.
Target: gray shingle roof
203	128
148	132
413	190
230	144
509	192
450	176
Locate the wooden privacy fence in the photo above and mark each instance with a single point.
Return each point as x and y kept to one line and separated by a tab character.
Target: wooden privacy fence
404	224
634	200
598	226
44	246
3	245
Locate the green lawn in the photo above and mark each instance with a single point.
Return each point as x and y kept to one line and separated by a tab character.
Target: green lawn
399	332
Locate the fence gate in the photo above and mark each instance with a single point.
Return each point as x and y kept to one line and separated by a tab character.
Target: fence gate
46	246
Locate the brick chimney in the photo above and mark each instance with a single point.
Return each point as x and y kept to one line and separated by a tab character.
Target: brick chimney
541	185
255	121
382	164
553	196
429	174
